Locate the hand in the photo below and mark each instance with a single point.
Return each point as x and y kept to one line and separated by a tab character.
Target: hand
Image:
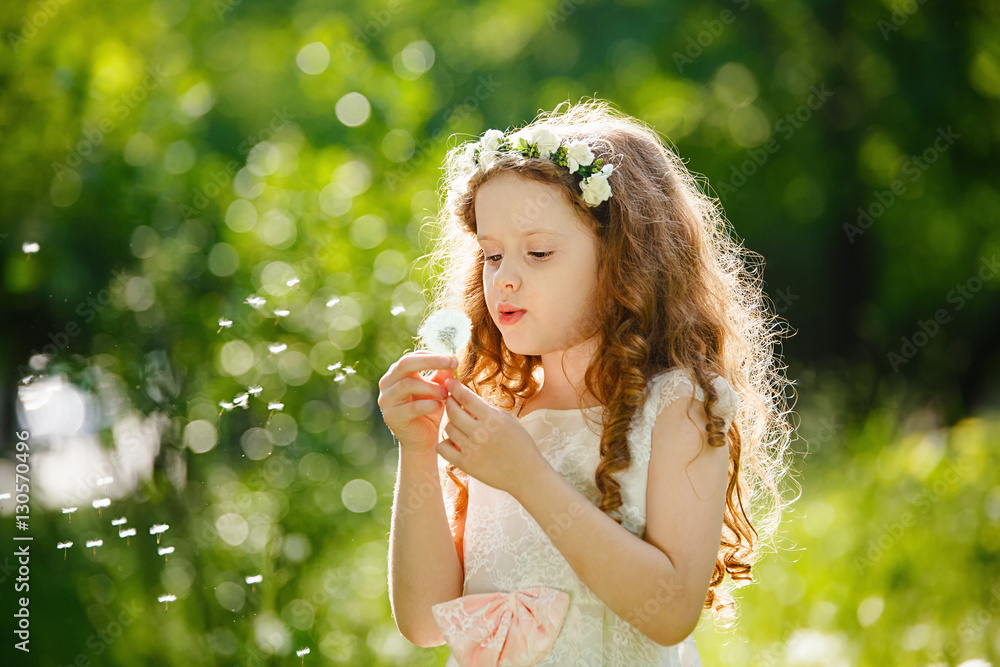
487	442
411	405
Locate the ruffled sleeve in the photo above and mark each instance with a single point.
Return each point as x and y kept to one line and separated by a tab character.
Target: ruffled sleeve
675	384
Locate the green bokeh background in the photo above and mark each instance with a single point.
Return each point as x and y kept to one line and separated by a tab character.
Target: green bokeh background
173	158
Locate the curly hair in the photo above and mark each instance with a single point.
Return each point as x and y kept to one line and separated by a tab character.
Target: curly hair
676	291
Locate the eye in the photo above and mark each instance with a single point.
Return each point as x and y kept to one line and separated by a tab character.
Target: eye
538	255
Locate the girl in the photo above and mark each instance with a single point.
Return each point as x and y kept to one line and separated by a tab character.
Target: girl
588	514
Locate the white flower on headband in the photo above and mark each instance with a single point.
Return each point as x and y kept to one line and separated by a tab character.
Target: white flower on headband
578	153
595	188
542	142
542	138
446	331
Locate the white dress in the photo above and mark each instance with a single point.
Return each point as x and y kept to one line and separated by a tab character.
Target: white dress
506	549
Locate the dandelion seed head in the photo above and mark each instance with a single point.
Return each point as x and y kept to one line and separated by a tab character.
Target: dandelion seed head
333	367
163	551
446	331
223	322
333	302
241	399
255	579
29	248
158	528
101	502
64	545
396	310
118	522
94	543
255	301
128	532
68	510
166	598
293	282
226	405
253	391
277	348
302	652
275	406
281	313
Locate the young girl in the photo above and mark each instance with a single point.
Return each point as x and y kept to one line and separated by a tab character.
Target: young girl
589	512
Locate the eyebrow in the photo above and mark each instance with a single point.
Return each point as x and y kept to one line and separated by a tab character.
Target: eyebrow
530	232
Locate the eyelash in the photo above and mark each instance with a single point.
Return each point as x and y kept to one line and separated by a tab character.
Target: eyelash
545	255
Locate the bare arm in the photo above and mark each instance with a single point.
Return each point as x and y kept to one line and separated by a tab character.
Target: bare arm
423	562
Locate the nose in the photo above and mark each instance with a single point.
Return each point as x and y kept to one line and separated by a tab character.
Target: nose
506	277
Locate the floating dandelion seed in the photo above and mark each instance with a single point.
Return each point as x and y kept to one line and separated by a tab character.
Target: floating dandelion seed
64	546
333	302
256	389
3	496
301	653
165	551
241	401
98	504
69	510
127	533
446	331
278	314
104	481
255	301
333	367
224	324
30	248
272	407
253	580
118	522
166	599
94	544
396	310
277	348
226	406
292	283
157	529
350	370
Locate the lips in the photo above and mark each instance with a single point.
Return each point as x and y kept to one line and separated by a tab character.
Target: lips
510	316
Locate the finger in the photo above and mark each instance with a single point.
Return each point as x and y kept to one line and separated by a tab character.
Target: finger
413	363
458	415
448	451
415	409
468	399
455	434
410	388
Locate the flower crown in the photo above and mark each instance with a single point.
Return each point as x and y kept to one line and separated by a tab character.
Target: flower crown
543	142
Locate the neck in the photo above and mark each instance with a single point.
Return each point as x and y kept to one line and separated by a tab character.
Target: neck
568	386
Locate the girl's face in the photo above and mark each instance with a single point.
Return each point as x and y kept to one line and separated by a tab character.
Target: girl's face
539	257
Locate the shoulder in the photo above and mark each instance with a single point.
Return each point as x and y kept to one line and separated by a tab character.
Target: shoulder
673	383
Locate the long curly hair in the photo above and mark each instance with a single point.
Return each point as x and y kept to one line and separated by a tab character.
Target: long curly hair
675	291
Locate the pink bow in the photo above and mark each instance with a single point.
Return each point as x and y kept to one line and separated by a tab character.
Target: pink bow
502	629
